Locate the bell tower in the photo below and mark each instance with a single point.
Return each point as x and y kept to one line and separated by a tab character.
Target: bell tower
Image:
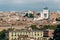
46	13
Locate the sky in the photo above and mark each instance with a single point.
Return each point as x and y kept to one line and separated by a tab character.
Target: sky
22	5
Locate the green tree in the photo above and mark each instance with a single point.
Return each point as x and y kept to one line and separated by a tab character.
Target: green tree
50	39
34	27
58	19
57	33
31	15
2	34
49	26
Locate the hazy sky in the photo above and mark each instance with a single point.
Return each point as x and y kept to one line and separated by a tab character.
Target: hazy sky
38	5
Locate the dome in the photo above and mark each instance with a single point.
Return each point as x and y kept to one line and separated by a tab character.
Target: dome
46	8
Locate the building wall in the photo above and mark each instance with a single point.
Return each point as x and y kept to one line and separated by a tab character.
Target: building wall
46	14
51	33
15	34
48	33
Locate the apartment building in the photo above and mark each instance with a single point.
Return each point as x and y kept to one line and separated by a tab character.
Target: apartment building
14	35
48	33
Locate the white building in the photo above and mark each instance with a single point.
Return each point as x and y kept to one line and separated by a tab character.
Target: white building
39	18
44	14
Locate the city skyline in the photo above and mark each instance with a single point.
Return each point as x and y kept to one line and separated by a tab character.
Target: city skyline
22	5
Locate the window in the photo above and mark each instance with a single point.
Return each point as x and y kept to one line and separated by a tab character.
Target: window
26	32
45	34
45	15
12	39
38	38
41	33
29	32
12	34
18	35
38	34
35	34
15	33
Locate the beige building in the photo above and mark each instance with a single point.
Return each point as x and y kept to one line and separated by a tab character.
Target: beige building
14	35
